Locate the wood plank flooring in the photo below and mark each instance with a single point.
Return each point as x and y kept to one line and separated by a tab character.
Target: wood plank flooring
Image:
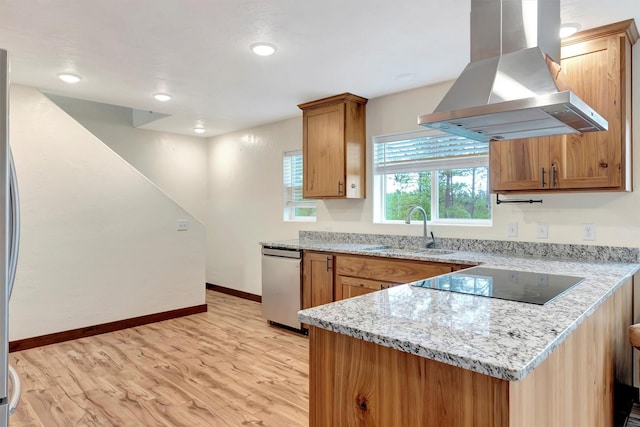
226	367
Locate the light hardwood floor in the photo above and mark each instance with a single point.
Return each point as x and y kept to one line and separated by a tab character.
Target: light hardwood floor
226	367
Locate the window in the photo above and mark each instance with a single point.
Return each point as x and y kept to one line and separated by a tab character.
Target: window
295	207
445	174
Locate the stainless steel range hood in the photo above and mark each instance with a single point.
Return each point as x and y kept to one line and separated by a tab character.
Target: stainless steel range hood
513	86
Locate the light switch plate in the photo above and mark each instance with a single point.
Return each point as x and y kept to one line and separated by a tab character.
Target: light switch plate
512	229
182	225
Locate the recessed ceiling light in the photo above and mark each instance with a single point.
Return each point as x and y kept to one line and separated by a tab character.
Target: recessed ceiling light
69	78
199	129
567	30
263	49
162	97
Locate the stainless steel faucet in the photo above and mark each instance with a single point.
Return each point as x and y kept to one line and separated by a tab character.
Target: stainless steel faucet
429	242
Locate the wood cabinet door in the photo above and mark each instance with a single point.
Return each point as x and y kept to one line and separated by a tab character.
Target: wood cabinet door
593	159
317	282
354	286
520	164
597	68
324	151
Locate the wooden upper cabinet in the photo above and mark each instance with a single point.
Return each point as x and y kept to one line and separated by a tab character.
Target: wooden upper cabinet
520	164
597	64
334	147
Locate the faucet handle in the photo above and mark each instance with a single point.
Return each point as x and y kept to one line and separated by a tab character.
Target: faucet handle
432	242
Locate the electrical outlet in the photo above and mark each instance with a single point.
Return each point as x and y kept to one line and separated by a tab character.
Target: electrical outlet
182	225
542	231
589	232
512	229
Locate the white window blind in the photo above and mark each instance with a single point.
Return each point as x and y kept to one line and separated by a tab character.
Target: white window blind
296	208
292	171
447	175
426	150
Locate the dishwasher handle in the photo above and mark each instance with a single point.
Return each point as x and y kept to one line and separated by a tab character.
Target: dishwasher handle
281	252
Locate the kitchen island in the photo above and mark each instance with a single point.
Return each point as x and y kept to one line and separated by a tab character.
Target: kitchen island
411	356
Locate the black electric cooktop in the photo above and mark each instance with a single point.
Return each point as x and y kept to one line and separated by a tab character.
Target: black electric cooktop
522	286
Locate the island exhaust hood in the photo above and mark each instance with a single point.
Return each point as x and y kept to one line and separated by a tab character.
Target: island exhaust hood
513	86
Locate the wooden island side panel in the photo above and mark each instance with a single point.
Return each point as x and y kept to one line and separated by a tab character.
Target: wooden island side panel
358	383
574	385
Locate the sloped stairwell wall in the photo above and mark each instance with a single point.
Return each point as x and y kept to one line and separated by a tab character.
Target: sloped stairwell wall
99	240
177	164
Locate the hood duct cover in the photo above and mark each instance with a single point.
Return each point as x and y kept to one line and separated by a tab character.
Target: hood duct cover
513	86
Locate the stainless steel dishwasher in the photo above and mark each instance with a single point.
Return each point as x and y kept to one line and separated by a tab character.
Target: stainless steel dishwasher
281	286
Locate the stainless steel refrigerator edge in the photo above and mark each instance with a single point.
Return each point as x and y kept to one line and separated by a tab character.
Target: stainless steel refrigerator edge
9	236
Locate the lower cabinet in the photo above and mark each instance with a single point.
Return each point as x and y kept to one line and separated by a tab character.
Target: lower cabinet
328	277
354	286
317	278
359	275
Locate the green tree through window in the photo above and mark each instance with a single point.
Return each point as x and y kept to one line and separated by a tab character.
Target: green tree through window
463	193
446	175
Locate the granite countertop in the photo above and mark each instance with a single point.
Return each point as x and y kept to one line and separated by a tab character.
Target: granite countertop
503	339
381	250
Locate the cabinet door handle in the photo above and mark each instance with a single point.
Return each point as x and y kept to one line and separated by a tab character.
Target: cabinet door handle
542	183
340	187
328	267
554	180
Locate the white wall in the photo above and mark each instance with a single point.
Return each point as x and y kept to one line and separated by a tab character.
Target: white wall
99	241
246	200
175	163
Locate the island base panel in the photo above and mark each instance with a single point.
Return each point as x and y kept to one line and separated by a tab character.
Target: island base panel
574	385
357	383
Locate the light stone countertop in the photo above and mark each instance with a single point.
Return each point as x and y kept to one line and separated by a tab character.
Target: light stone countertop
500	338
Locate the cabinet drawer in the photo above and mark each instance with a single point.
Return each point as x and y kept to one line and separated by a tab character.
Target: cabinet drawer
348	287
388	270
374	285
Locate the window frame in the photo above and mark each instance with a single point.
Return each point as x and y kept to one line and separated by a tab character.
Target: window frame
289	206
379	184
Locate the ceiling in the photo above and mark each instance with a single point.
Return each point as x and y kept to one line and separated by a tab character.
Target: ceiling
198	51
